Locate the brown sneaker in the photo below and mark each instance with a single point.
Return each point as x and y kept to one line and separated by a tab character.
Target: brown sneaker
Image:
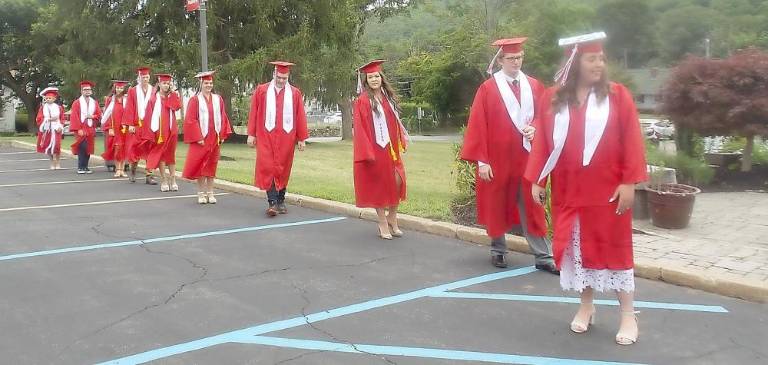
271	211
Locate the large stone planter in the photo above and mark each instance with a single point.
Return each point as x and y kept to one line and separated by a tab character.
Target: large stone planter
722	158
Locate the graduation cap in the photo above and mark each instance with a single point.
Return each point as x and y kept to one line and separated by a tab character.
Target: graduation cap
370	67
164	77
143	71
282	67
86	83
506	45
119	83
50	91
205	76
586	43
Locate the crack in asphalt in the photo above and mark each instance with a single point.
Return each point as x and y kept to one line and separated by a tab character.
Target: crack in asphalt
303	293
168	299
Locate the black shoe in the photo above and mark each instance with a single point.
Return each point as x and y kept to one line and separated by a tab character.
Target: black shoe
548	267
88	171
149	180
499	261
132	174
281	208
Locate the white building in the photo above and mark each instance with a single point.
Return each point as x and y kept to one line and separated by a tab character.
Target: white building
7	111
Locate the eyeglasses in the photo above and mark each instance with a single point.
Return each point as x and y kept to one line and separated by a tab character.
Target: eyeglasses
87	89
514	58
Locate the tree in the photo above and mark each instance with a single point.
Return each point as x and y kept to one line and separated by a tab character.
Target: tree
24	66
721	97
630	26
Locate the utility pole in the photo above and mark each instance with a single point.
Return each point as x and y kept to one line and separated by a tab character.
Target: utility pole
203	36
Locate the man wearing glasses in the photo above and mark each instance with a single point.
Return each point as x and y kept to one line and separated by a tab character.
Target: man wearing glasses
498	138
85	114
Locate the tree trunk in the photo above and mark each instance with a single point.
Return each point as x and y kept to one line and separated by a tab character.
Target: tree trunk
684	141
746	157
346	119
30	103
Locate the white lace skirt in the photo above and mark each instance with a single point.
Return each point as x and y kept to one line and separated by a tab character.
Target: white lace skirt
573	276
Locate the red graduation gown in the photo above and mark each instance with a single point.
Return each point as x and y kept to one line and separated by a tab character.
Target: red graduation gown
203	160
75	125
492	137
161	145
275	149
44	138
114	149
584	192
374	167
135	147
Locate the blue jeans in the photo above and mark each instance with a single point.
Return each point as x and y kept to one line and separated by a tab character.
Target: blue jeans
83	156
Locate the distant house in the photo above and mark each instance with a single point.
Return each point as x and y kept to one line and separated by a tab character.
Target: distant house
7	111
648	83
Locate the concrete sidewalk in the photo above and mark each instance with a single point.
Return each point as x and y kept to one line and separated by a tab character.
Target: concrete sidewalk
727	238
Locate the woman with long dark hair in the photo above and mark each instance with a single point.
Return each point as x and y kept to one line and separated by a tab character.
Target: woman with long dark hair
380	139
112	126
589	144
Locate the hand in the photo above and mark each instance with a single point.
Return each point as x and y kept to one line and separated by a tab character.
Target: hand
201	142
485	172
131	129
111	132
528	132
251	141
539	194
626	195
80	132
302	145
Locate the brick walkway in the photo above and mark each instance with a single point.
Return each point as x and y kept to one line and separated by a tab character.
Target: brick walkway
728	236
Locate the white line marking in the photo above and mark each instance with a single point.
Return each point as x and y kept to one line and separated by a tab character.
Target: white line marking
61	182
32	170
100	202
18	153
33	159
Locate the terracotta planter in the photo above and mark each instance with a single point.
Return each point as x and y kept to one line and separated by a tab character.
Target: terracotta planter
671	205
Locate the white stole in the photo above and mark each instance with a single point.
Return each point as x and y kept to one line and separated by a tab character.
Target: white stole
142	99
202	110
156	111
87	107
594	126
51	123
51	117
111	108
271	113
380	128
521	114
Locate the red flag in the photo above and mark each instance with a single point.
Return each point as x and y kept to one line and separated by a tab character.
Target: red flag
193	5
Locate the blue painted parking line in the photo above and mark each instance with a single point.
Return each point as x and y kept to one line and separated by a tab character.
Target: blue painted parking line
239	335
419	352
164	239
556	299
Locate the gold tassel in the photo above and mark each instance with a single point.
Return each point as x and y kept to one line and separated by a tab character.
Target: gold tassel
160	137
125	129
392	152
140	123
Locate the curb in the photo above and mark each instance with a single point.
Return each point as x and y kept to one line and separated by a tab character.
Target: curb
722	284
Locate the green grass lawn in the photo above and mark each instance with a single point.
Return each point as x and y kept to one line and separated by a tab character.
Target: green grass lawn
324	170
